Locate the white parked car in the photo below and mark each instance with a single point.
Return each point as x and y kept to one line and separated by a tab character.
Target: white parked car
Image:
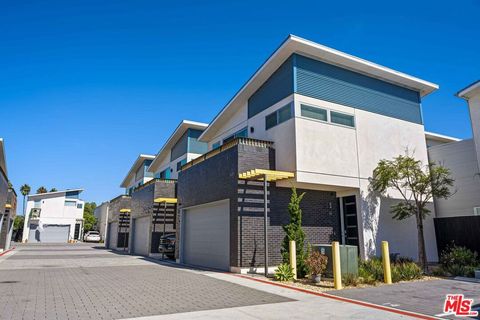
92	236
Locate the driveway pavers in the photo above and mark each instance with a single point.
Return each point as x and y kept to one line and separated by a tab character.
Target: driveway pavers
131	287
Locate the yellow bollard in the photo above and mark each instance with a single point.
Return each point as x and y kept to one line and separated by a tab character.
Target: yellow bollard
293	258
387	273
337	272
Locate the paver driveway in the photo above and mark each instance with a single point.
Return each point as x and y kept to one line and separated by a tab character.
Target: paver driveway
81	282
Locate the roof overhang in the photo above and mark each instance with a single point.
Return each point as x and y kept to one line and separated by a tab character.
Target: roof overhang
131	173
3	162
53	193
294	44
177	134
440	137
470	91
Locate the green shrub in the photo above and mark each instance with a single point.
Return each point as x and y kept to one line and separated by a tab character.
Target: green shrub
371	270
350	279
284	272
459	261
406	271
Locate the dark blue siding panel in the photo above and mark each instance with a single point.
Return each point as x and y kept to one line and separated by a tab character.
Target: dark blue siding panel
323	81
180	147
277	87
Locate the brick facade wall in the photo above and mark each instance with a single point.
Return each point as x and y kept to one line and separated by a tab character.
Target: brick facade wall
216	178
120	202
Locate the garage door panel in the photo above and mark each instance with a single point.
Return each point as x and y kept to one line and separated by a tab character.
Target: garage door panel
140	236
207	236
49	233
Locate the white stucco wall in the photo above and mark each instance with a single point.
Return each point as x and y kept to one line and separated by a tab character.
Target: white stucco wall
54	211
460	157
474	108
101	213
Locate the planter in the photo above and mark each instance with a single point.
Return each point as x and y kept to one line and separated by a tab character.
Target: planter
316	278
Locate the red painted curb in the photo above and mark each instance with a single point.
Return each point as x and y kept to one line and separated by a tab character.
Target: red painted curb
6	251
357	302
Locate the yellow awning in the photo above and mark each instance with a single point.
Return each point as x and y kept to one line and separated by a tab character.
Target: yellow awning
272	175
8	206
165	200
125	210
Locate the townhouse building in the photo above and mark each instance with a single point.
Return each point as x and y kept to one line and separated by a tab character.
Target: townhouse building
458	217
54	217
151	220
327	117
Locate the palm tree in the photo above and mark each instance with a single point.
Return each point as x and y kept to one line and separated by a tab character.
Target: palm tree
42	189
25	190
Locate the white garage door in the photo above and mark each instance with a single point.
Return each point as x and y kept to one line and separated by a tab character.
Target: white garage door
49	233
140	236
112	235
206	235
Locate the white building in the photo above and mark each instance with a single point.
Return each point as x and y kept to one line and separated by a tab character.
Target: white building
54	217
181	147
101	213
138	174
462	158
331	117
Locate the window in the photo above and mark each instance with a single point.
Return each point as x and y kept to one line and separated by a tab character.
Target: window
271	121
165	174
341	118
284	113
70	203
239	134
79	206
279	116
313	112
216	145
180	164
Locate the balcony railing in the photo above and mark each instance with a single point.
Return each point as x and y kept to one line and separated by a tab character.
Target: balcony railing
226	146
153	181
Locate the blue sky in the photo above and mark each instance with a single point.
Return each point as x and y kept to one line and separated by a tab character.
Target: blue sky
85	86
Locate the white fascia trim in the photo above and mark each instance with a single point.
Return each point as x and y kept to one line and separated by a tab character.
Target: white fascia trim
142	157
177	134
50	193
3	162
294	44
464	93
440	137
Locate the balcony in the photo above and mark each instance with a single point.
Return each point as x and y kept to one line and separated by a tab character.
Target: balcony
231	144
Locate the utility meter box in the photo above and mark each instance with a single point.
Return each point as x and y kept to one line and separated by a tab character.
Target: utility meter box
348	258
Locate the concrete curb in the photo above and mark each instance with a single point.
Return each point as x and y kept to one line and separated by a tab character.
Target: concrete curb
348	300
6	251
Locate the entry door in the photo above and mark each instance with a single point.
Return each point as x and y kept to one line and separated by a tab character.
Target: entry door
350	220
77	231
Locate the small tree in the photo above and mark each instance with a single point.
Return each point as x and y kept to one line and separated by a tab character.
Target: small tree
25	190
89	219
53	190
18	227
418	184
293	231
42	189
